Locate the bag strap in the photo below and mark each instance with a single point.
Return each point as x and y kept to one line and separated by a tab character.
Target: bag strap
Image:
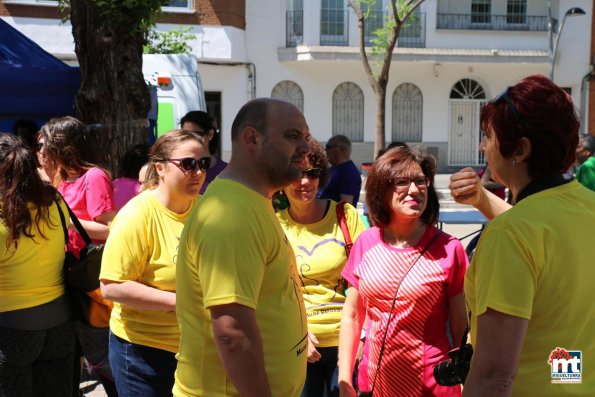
343	225
80	229
63	221
390	313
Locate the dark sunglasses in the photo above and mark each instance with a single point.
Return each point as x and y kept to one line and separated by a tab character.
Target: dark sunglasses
38	146
190	164
329	147
312	173
503	97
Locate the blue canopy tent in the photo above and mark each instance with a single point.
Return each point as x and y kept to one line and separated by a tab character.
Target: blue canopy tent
34	84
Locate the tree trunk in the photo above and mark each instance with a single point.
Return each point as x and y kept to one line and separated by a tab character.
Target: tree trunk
113	100
380	136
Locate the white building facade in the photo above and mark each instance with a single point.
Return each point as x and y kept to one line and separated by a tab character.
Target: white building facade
454	56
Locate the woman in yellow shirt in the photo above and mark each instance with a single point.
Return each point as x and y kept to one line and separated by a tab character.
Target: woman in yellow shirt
312	226
139	266
36	333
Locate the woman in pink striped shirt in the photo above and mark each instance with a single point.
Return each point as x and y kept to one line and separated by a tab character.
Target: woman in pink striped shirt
406	276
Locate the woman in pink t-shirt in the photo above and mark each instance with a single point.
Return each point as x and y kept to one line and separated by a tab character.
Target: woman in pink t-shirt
88	191
406	264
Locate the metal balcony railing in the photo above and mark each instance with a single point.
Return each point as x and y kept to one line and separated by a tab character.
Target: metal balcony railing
334	27
294	28
412	35
478	21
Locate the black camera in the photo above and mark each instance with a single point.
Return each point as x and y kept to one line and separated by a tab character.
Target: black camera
454	370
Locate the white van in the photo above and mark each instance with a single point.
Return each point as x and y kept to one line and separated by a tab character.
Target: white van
176	81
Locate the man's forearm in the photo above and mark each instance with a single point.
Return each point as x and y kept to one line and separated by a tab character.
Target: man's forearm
240	348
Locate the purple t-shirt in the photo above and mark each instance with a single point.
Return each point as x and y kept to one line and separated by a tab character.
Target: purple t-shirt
417	338
212	173
344	179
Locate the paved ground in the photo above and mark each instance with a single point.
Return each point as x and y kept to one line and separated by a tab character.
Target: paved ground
92	387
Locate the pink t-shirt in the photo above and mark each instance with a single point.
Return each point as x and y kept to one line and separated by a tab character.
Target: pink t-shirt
124	190
417	335
89	196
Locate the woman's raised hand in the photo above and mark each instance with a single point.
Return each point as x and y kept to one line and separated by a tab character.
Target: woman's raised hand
465	187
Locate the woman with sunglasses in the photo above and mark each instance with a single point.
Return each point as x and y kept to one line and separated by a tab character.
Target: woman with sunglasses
87	189
406	277
138	267
529	288
312	226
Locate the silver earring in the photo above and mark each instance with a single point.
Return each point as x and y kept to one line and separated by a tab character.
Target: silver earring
514	163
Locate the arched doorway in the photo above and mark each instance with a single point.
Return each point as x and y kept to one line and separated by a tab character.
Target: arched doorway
466	99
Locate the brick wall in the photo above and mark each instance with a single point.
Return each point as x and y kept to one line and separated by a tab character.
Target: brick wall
30	11
207	12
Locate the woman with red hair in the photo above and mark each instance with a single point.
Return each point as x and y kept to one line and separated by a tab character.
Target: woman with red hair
529	288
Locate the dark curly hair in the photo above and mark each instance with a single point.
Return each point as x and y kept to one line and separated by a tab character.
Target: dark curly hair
317	159
379	183
21	186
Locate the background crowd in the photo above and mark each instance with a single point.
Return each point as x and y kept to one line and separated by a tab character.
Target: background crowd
211	290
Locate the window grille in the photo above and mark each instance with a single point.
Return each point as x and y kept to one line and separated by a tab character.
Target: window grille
290	92
348	111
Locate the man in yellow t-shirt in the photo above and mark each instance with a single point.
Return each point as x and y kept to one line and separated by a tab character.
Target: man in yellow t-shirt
241	314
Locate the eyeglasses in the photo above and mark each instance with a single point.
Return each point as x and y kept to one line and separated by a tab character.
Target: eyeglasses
190	164
503	97
403	183
329	147
312	173
38	146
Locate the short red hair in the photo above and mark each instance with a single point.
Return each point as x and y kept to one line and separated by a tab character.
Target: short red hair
546	117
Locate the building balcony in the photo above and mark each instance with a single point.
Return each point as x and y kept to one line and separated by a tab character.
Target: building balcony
511	22
334	29
412	35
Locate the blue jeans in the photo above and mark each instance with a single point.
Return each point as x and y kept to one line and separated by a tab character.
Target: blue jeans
141	370
322	378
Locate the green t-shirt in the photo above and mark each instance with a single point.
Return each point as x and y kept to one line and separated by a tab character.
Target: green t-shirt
586	173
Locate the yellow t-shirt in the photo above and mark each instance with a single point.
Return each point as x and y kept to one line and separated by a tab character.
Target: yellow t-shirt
320	257
535	262
142	247
31	275
233	250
